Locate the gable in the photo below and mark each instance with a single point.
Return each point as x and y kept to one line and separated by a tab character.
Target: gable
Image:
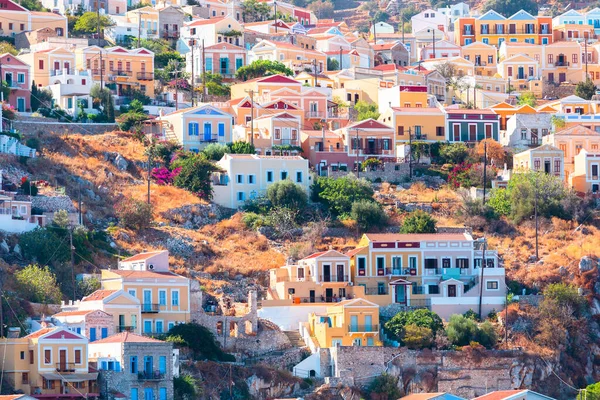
11	6
491	16
278	79
571	13
207	111
517	58
526	109
284	116
62	334
122	299
118	50
521	15
281	105
369	124
144	51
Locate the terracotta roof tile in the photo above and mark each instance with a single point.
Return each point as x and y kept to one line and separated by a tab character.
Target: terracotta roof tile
201	22
577	130
142	256
498	395
127	337
413	237
73	313
39	333
99	295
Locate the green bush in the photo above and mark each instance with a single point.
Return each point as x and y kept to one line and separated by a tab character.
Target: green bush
417	337
384	387
339	194
134	214
33	143
215	151
185	387
195	174
44	245
255	221
471	315
200	341
422	318
487	335
418	222
461	331
367	215
287	194
453	153
38	284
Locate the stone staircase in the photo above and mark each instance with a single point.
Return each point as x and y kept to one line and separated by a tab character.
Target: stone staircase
295	338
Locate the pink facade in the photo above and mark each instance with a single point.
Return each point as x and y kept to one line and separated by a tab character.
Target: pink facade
16	74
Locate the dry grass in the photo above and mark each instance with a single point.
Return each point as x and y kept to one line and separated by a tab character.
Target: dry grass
162	198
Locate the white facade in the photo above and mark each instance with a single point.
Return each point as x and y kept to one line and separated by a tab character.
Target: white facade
123	29
70	86
455	11
382	27
246	176
524	130
429	19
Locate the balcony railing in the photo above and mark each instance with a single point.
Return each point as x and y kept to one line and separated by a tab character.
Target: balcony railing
119	73
363	328
150	308
333	278
404	271
383	271
65	367
562	64
291	142
468	32
151	376
145	76
65	71
314	114
316	299
125	328
376	291
150	31
209	137
419	303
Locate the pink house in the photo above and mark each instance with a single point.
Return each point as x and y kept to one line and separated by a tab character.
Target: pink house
312	101
16	74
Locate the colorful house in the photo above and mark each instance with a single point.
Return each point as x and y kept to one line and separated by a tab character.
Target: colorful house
262	87
471	125
420	123
585	178
46	64
294	57
223	59
17	19
483	57
16	74
571	141
545	158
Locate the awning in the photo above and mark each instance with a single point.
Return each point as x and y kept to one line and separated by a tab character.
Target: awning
92	376
400	282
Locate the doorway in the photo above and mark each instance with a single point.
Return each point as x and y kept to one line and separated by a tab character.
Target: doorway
451	290
400	294
326	273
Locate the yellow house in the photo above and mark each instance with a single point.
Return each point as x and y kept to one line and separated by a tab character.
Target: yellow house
163	295
572	105
352	322
586	179
423	123
545	158
46	64
119	68
146	18
50	363
483	56
15	19
572	140
294	57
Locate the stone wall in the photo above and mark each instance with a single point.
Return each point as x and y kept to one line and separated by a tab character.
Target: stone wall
469	373
29	127
391	172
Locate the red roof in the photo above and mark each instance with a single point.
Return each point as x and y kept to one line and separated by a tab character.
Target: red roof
369	124
418	110
413	237
201	22
60	333
275	79
315	255
39	333
498	395
98	295
354	251
73	313
127	337
146	274
142	256
228	46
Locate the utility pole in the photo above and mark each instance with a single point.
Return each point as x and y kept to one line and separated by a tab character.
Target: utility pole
357	151
139	14
80	210
72	262
1	304
275	5
537	255
97	22
433	41
409	154
149	170
101	72
586	60
341	58
177	85
1	123
506	319
203	73
402	25
481	279
315	68
484	167
375	33
192	44
251	91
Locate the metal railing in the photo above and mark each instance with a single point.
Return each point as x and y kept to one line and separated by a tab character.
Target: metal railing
419	303
291	142
150	308
314	114
363	328
65	367
119	72
376	291
403	271
209	137
145	76
125	328
65	71
316	299
418	289
151	376
562	64
333	278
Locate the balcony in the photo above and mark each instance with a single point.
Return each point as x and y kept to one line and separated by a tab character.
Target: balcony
151	376
96	71
480	63
451	273
209	138
316	299
170	35
65	367
315	114
119	73
145	76
150	308
333	278
363	328
286	142
64	71
419	303
562	64
150	31
468	32
125	328
376	291
404	271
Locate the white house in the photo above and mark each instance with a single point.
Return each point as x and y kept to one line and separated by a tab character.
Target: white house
429	19
382	27
69	87
455	11
246	176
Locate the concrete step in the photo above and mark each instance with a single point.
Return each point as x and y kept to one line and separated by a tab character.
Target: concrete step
295	338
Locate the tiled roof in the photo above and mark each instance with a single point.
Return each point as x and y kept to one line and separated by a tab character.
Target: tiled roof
422	396
73	313
324	253
354	251
39	333
413	237
498	395
469	111
142	256
417	110
146	274
127	337
99	295
369	124
577	130
201	22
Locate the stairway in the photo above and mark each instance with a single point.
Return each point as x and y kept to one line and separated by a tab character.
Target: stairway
295	338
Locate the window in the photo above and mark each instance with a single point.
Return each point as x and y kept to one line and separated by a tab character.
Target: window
492	285
284	175
400	130
523	133
41	64
241	196
557	166
574	58
298	176
30	356
22	27
22	355
47	356
162	297
490	59
251	179
269	176
162	364
439	131
170	326
462	263
162	393
133	365
362	266
134	394
77	356
175	298
10	26
25	378
380	265
159	326
20	78
431	263
550	58
239	178
48	384
536	164
277	133
445	263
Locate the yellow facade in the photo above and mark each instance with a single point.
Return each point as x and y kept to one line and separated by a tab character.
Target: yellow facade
147	18
51	361
348	323
47	64
424	123
586	177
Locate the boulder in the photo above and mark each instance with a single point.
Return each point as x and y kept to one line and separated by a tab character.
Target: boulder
4	247
121	163
562	271
586	264
17	250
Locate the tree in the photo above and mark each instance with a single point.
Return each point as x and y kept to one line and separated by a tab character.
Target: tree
495	151
287	194
195	174
134	116
215	151
384	387
134	214
422	318
253	10
185	386
28	187
417	337
453	153
6	47
368	214
510	7
103	99
88	23
592	392
332	64
259	68
366	110
450	73
585	89
199	340
418	221
33	5
322	9
527	98
61	219
461	331
40	97
43	246
215	86
487	335
381	16
241	147
566	296
38	284
339	194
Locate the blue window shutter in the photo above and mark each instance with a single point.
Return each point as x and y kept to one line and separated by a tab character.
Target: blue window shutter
104	332
92	334
118	366
191	128
162	393
221	129
104	365
238	63
162	364
209	67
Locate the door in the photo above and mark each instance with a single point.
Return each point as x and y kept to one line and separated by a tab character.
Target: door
551	77
594	171
521	73
562	77
329	295
488	131
121	322
207	131
62	360
326	273
224	66
451	290
311	295
368	323
56	67
340	273
147	300
371	146
92	334
148	365
400	294
104	332
67	65
21	105
473	133
147	326
8	78
354	323
221	130
547	168
148	394
357	342
456	132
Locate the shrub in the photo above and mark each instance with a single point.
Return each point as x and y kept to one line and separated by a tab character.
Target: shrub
384	387
254	221
38	284
28	188
163	151
453	153
134	214
564	296
461	330
592	392
367	215
418	222
194	175
163	176
471	315
422	318
417	337
339	194
200	341
215	151
287	194
185	387
44	245
34	143
241	147
487	335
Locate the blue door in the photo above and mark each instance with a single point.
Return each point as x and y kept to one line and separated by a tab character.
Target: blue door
147	300
92	334
162	364
224	65
354	323
148	394
221	130
147	326
368	323
104	332
207	131
134	394
209	65
400	294
162	394
148	365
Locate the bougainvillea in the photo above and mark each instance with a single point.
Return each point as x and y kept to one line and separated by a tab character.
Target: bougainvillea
163	176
